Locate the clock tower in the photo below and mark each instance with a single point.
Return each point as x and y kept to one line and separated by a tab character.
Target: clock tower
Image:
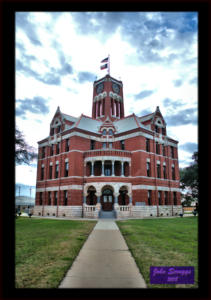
108	99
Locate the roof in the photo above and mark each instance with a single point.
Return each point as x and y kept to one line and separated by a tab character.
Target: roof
88	124
69	118
128	123
146	117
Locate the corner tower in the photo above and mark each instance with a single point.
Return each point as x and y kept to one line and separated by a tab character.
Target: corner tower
107	99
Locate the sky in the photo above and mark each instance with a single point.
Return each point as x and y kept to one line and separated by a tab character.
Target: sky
58	56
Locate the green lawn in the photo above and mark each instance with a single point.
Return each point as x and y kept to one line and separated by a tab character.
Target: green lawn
45	249
162	242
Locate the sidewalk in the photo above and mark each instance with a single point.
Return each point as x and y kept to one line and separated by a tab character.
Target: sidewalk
104	261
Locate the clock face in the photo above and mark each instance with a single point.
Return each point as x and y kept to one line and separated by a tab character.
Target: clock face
116	88
99	88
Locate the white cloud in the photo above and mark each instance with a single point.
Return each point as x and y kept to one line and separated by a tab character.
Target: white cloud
29	174
149	52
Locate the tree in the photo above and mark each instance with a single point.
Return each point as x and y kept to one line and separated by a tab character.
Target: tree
189	181
24	153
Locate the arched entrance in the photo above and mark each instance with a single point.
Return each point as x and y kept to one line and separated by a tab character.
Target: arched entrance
91	197
123	198
107	199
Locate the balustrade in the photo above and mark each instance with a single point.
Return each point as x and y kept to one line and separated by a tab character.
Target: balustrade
124	208
90	207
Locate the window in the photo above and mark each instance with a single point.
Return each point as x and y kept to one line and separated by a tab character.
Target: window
159	198
104	132
110	145
157	148
57	148
67	145
156	129
49	198
147	145
164	172
55	198
122	144
42	173
163	131
50	171
43	152
110	132
92	145
166	198
66	169
149	197
158	171
52	149
148	169
57	171
52	131
173	173
172	151
107	171
40	198
65	197
59	129
104	145
164	150
175	198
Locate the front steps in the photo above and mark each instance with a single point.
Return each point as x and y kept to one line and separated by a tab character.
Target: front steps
107	214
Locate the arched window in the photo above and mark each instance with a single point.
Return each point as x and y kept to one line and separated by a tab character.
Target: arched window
110	132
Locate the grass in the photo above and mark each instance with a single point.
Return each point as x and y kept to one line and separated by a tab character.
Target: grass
162	242
45	250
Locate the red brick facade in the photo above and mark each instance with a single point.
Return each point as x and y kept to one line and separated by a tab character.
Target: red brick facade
109	158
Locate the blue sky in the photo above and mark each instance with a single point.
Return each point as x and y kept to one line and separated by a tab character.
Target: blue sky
58	57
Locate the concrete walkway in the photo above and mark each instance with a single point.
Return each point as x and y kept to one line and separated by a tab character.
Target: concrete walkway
104	261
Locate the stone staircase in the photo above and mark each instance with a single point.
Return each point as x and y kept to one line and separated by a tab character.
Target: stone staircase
107	214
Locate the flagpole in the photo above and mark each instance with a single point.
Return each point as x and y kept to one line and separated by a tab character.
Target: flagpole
108	64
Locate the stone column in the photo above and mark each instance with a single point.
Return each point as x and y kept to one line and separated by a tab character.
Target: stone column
122	168
130	204
84	199
102	168
116	205
92	170
98	206
112	167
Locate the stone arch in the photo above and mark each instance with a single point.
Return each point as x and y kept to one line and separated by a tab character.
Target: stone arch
91	198
123	198
87	187
107	186
127	186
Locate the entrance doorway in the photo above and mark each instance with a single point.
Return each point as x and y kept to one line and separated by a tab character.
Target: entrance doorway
107	200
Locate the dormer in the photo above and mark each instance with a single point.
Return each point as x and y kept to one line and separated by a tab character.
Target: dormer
154	121
158	123
107	128
57	124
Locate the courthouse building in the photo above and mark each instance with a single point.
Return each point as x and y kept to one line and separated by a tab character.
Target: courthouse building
108	164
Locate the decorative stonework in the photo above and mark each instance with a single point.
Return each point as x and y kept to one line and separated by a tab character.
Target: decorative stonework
114	185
